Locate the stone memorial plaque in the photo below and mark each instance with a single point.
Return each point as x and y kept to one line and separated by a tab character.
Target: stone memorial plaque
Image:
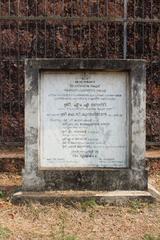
83	119
85	125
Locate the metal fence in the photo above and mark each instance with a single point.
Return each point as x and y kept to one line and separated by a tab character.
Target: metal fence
112	29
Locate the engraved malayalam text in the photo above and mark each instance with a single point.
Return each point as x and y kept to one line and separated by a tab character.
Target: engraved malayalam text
83	119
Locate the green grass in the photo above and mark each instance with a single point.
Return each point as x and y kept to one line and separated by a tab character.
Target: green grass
4	232
151	237
88	204
136	204
2	194
62	235
70	237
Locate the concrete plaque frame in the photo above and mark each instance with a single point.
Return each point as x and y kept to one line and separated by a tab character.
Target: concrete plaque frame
135	177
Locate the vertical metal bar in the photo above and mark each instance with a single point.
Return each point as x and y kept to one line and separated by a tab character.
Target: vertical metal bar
18	57
0	30
89	25
54	41
106	7
18	8
9	7
115	40
125	30
81	31
61	27
1	67
1	106
98	28
72	29
27	27
134	29
0	8
106	13
54	34
45	48
115	44
143	29
18	64
151	61
18	54
9	65
63	8
159	84
36	29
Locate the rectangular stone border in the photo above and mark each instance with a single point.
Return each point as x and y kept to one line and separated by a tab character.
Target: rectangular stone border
133	178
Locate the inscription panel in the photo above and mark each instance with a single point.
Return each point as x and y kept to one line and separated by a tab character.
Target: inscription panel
83	120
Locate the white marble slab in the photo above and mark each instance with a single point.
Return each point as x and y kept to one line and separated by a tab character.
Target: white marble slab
83	119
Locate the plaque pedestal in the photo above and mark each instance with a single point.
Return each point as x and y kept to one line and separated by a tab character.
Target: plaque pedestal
85	129
70	197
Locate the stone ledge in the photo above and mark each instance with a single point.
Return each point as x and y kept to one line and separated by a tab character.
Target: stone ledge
154	192
115	197
19	154
153	154
12	154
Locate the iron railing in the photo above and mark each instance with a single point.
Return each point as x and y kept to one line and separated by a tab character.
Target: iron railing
110	29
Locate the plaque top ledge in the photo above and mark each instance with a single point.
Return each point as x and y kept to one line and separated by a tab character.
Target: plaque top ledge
84	64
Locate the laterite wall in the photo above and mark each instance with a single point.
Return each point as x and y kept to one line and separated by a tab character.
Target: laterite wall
112	29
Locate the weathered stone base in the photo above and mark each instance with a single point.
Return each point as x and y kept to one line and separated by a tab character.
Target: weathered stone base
114	197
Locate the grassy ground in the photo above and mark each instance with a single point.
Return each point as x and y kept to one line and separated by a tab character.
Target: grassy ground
85	221
35	221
